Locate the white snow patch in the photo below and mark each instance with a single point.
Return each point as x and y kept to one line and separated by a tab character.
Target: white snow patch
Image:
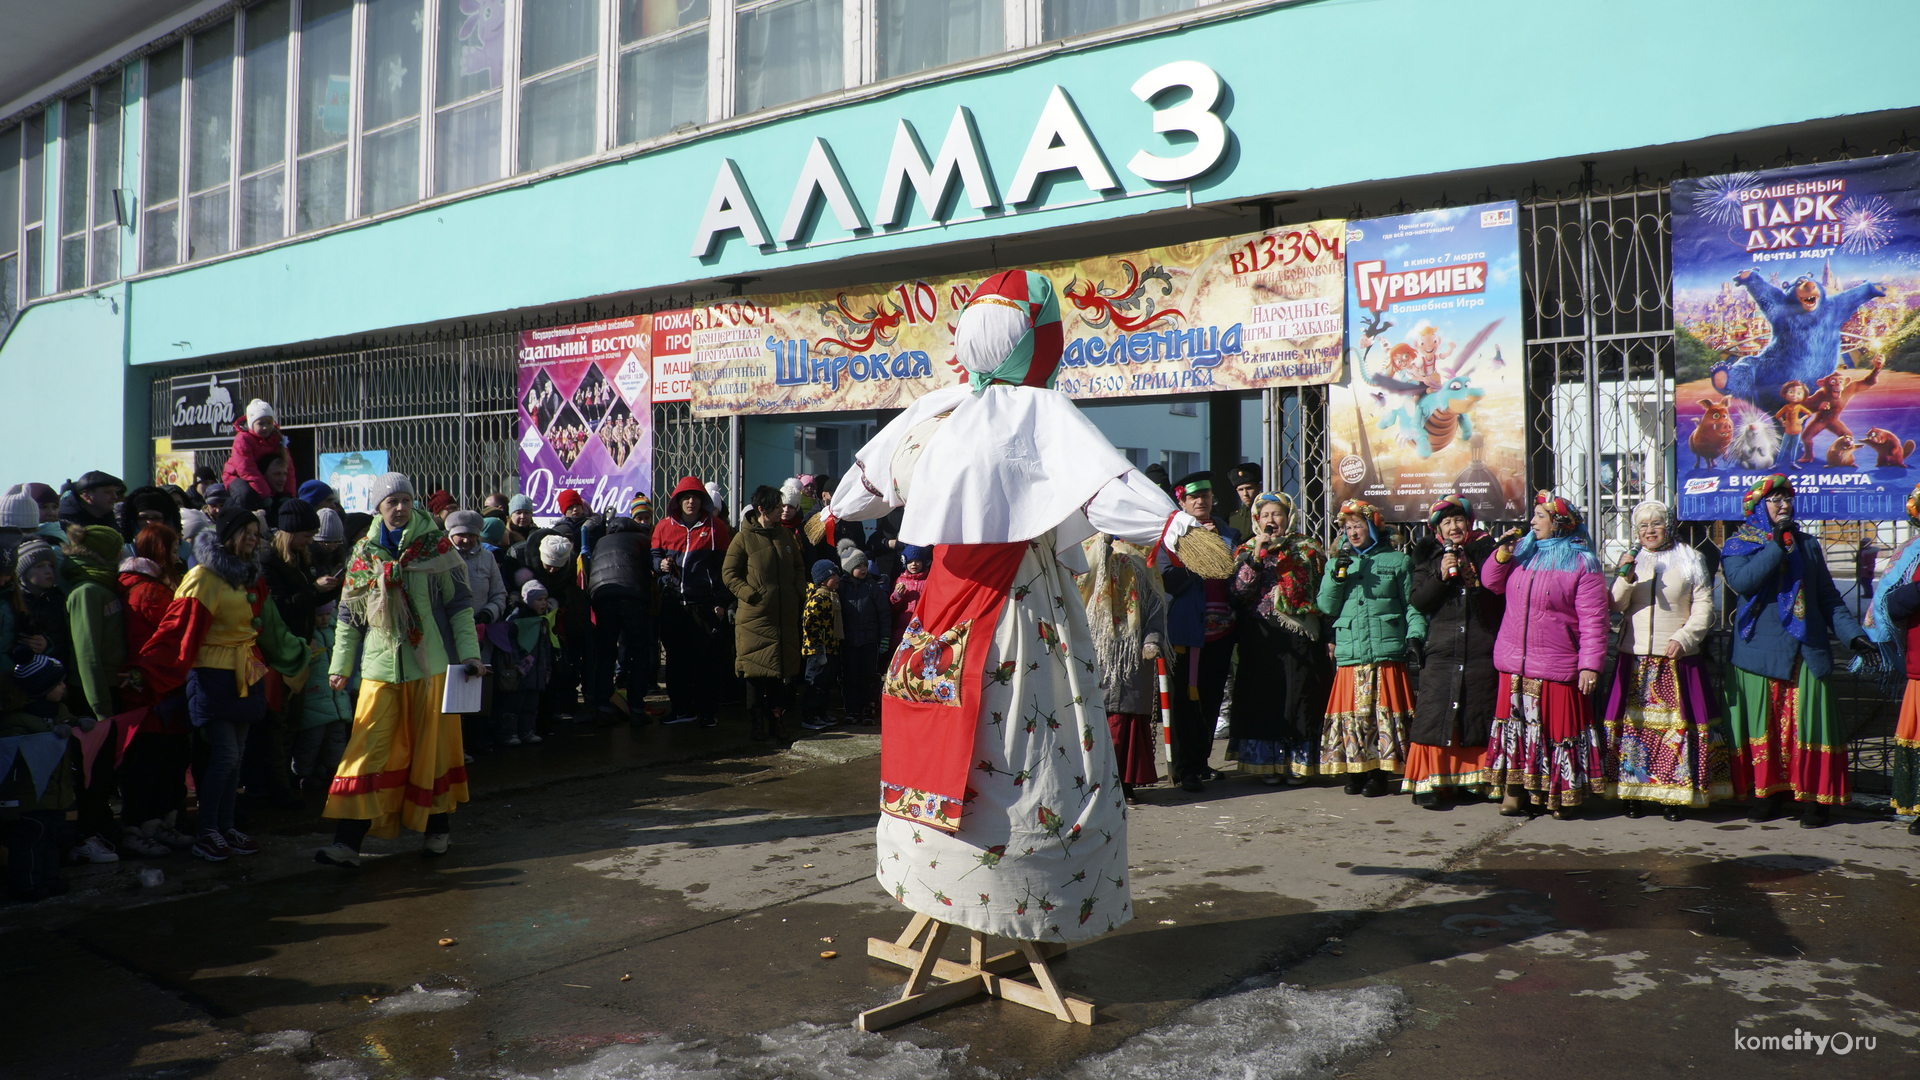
421	1000
283	1042
1507	974
799	1051
1267	1030
336	1070
1558	943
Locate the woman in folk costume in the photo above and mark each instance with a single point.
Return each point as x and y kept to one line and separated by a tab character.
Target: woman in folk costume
1664	743
406	601
1001	800
1280	693
1894	625
1458	681
1367	593
1127	618
1782	735
1553	639
220	635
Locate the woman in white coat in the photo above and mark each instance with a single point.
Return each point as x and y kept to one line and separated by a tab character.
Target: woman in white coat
1002	807
1664	742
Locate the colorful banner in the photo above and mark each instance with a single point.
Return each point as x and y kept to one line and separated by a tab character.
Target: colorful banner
1241	313
1796	348
351	477
673	355
1435	404
585	405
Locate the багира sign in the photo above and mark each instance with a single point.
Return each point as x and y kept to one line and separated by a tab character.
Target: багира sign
202	409
585	406
1796	345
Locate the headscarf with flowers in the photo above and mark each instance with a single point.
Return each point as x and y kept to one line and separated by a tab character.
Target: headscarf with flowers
1755	533
376	592
1279	575
1117	574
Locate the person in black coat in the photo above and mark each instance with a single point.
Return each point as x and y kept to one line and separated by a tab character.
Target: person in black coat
620	588
1453	712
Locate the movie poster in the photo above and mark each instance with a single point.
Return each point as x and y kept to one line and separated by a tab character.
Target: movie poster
585	406
1796	349
1239	313
1434	403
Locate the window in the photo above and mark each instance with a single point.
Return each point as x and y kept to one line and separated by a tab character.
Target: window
915	35
663	75
210	143
1066	18
467	117
326	90
390	94
559	69
76	115
787	50
9	227
160	236
89	231
263	124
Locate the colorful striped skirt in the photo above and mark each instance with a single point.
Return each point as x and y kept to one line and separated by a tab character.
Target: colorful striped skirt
1544	740
404	759
1783	739
1663	742
1368	714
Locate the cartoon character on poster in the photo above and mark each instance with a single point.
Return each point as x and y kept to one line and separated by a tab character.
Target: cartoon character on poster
1796	349
1433	407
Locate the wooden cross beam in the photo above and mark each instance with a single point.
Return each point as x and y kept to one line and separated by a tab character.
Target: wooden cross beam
981	974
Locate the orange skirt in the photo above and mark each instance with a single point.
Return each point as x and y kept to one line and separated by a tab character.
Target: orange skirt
1368	714
1431	767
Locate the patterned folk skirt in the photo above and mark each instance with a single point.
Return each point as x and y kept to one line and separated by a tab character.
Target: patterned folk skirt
1368	714
1430	768
1543	740
404	759
1663	742
1906	753
1783	739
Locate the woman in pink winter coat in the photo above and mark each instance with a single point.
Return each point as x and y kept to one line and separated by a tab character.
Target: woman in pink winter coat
1553	639
257	437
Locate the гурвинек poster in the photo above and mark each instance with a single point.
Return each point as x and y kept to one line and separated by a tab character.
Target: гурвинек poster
1434	404
1796	346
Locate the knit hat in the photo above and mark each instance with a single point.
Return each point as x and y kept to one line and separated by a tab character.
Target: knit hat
102	542
852	559
910	553
555	551
1774	484
713	494
568	499
193	523
519	503
464	523
31	554
441	501
35	673
387	483
532	590
257	409
639	505
823	570
493	530
41	494
232	524
332	529
19	512
216	494
297	516
790	493
316	492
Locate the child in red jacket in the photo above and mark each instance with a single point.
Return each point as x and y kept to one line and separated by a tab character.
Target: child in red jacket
906	591
258	436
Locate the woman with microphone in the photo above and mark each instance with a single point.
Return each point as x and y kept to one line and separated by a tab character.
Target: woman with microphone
1663	745
1458	680
1366	590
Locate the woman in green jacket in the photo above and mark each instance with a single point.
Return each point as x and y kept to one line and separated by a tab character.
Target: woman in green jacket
763	570
406	614
1367	589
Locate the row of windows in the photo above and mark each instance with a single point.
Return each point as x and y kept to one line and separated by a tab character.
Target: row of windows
295	115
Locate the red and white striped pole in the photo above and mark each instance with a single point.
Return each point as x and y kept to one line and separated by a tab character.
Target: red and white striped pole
1166	710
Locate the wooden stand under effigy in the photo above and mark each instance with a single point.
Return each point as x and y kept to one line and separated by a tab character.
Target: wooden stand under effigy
981	974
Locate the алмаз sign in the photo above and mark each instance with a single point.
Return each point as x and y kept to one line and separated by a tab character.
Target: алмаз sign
1061	142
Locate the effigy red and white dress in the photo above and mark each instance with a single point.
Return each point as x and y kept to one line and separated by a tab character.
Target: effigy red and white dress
1001	804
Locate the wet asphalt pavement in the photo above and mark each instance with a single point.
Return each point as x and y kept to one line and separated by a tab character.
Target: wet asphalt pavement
655	903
